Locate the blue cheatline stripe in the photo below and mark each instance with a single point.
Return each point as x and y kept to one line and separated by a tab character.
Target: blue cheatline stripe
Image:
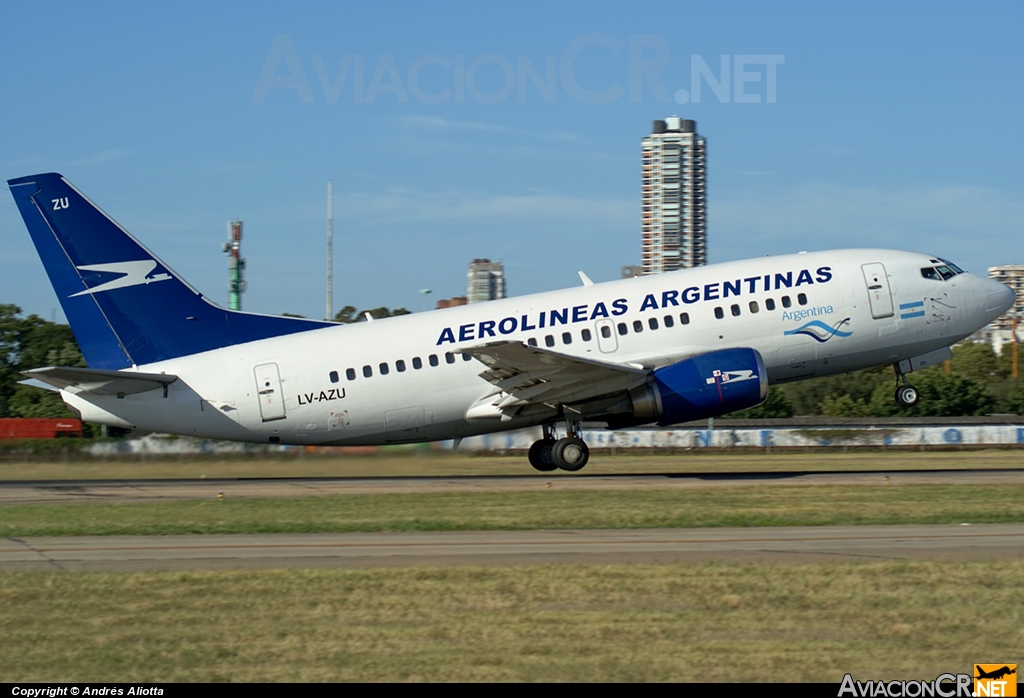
919	313
915	304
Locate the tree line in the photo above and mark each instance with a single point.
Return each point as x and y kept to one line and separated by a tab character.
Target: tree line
978	381
27	343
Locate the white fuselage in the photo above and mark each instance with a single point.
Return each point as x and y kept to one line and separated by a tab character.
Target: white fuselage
808	315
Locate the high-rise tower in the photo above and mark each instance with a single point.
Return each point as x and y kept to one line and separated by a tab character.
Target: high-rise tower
674	233
486	281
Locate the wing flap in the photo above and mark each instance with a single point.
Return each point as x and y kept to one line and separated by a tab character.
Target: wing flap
98	381
526	375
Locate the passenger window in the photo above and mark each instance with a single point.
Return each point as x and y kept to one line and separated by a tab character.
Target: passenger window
684	318
769	303
622	328
719	313
753	307
549	341
417	363
367	371
400	366
433	359
606	331
786	303
449	357
334	376
467	357
350	373
585	335
383	369
638	326
567	338
669	321
532	341
652	323
735	309
801	298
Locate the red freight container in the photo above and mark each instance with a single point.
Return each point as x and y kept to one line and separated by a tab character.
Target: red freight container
40	428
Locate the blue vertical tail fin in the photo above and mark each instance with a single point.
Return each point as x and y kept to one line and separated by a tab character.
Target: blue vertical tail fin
125	306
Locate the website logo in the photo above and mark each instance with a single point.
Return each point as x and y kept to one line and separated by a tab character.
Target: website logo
995	680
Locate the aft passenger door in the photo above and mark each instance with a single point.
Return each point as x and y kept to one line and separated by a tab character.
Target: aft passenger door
879	295
268	387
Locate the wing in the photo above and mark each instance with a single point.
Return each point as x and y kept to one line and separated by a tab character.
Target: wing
100	382
525	376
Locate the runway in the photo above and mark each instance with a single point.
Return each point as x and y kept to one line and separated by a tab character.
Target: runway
979	542
62	491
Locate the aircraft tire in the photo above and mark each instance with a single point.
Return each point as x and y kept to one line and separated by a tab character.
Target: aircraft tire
907	396
540	455
570	454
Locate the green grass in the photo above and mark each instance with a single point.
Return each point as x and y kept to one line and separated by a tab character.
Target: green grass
438	463
544	623
761	505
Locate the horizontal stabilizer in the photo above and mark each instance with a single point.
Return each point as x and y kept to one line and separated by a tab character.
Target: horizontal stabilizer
100	382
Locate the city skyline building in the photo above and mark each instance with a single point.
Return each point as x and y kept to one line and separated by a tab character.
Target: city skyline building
1013	276
452	302
674	232
485	281
1000	332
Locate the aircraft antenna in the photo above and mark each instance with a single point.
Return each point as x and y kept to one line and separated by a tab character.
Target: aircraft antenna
330	249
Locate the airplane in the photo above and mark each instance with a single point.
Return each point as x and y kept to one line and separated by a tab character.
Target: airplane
995	673
661	349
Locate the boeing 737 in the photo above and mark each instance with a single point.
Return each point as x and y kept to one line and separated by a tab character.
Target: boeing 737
660	349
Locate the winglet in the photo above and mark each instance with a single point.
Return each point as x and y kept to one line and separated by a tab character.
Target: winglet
585	279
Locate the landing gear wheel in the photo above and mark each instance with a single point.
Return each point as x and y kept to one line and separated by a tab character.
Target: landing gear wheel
570	454
906	396
540	455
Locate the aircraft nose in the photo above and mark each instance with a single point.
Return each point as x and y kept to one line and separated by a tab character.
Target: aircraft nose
998	298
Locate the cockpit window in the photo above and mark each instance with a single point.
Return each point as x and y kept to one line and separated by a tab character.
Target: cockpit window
945	271
930	273
953	267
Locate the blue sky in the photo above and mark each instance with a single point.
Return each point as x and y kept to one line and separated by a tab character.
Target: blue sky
889	124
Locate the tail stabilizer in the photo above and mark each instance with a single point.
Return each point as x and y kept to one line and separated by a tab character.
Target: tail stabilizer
125	306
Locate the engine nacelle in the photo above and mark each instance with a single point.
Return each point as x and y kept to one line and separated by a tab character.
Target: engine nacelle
702	386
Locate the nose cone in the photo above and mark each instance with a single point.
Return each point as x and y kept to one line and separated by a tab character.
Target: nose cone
998	298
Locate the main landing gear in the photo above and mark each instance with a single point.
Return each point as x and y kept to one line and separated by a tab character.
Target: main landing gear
569	453
906	394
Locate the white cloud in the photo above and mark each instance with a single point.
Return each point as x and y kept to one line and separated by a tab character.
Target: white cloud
422	122
108	155
403	205
979	225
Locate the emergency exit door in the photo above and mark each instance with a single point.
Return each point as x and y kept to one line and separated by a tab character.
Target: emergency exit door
268	388
879	295
607	342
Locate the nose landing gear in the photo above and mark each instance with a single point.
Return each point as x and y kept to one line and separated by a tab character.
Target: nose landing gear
569	453
906	394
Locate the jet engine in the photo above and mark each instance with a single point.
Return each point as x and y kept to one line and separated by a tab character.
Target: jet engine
706	385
